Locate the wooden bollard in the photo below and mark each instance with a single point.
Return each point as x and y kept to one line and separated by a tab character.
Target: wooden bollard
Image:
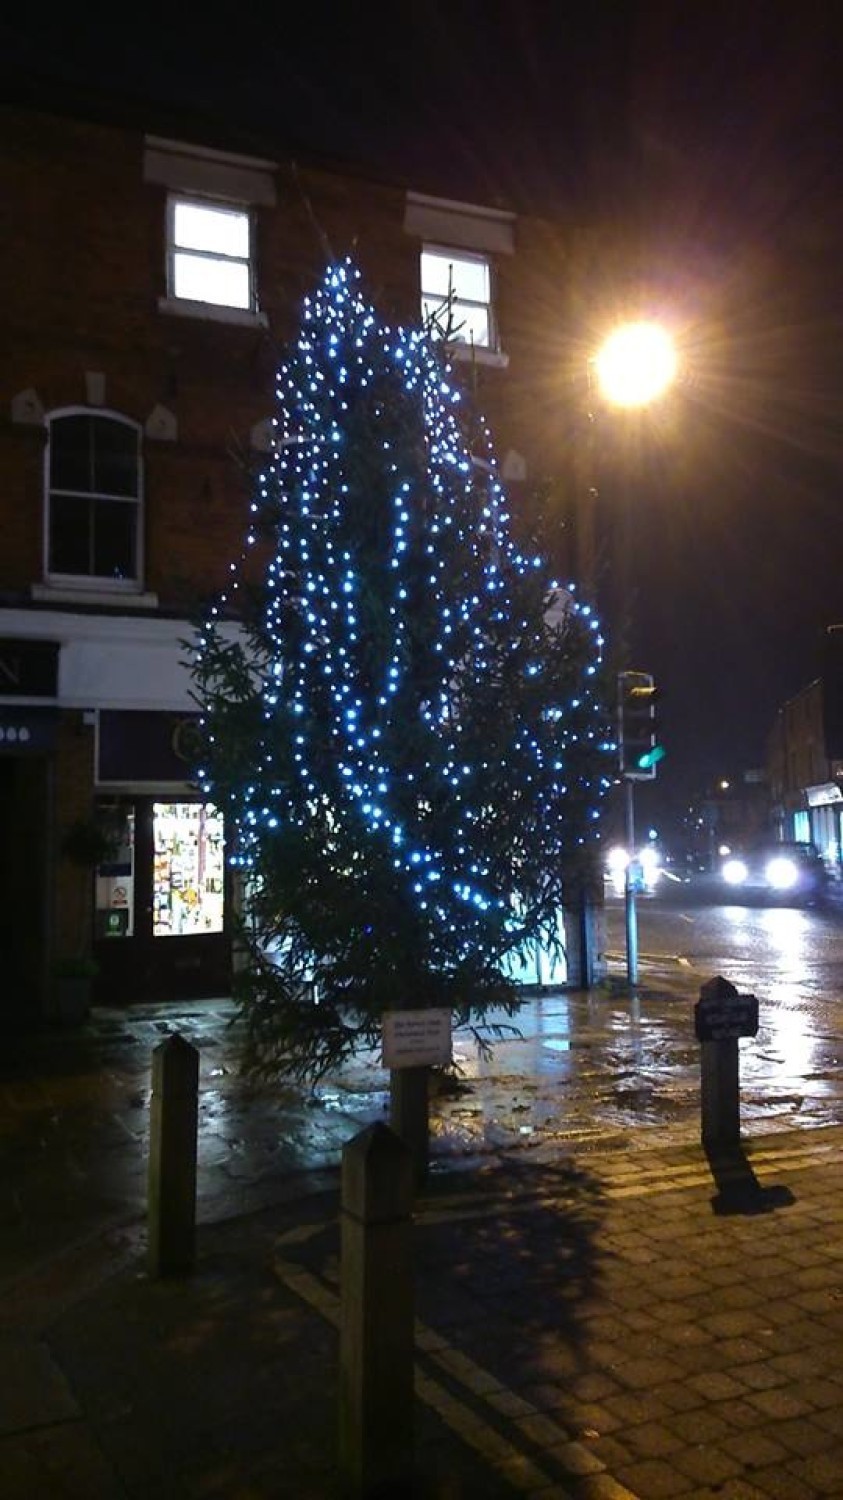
172	1157
409	1115
377	1313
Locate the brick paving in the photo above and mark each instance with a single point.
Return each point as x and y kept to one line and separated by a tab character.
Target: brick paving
606	1327
592	1324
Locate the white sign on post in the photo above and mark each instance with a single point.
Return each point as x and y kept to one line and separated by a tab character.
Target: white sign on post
416	1038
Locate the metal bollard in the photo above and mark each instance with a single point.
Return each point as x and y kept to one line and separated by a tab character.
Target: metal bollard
172	1157
377	1314
721	1016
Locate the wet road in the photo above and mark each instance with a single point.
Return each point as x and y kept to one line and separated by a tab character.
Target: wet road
605	1069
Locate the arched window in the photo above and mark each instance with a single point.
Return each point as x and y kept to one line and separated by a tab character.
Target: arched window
94	498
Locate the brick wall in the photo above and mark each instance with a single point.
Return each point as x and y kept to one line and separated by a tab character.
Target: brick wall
83	263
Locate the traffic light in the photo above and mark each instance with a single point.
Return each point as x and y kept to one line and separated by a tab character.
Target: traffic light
639	751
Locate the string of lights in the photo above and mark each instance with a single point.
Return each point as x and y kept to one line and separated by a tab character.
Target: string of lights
411	708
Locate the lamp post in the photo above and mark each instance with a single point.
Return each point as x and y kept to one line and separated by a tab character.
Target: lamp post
634	367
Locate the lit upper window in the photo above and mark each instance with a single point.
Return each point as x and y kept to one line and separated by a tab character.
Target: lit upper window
456	292
210	254
93	503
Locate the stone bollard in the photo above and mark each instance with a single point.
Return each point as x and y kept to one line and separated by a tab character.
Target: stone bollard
377	1314
172	1157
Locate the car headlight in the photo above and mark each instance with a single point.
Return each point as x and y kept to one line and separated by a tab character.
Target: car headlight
616	860
781	873
735	872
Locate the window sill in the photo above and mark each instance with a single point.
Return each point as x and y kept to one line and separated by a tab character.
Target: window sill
62	593
495	359
211	312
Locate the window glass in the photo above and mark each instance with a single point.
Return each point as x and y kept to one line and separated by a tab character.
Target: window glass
209	256
188	870
221	231
468	324
70	453
114	537
70	535
114	457
442	272
466	280
93	498
199	278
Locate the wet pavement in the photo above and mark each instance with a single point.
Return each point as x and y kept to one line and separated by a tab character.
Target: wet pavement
603	1070
602	1312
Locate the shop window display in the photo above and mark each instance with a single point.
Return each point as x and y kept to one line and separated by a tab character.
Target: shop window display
188	869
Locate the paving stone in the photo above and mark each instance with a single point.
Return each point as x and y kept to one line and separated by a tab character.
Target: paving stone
755	1449
830	1420
703	1426
759	1377
707	1465
778	1403
653	1440
654	1480
643	1374
576	1459
677	1396
804	1436
731	1324
799	1365
542	1430
715	1386
594	1385
823	1472
636	1406
781	1484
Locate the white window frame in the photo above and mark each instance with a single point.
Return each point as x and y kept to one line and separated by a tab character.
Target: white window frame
238	210
91	582
213	179
474	257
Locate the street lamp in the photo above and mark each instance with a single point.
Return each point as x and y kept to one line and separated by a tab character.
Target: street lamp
634	367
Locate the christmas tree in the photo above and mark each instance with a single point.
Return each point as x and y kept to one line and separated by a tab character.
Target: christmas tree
403	716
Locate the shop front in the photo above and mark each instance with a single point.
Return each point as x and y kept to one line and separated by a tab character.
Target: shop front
162	895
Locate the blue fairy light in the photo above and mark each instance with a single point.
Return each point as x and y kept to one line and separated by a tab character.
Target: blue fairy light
444	556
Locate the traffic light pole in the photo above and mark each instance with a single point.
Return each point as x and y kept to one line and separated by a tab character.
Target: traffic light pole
630	912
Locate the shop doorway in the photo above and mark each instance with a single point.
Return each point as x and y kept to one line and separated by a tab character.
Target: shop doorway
161	901
24	803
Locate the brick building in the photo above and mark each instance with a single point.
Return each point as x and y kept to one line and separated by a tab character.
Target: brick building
806	782
149	282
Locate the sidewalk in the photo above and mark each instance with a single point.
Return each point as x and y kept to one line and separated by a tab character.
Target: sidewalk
597	1327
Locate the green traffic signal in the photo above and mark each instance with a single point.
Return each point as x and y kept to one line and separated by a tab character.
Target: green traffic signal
639	751
651	758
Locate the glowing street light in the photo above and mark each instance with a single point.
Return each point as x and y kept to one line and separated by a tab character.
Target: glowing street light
636	365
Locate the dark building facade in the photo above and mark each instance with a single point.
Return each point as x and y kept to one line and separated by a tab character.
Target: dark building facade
150	283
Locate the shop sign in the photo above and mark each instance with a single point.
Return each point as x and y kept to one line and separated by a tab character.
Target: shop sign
29	669
138	746
824	795
27	731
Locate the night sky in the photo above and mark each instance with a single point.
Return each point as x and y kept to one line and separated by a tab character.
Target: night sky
707	139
